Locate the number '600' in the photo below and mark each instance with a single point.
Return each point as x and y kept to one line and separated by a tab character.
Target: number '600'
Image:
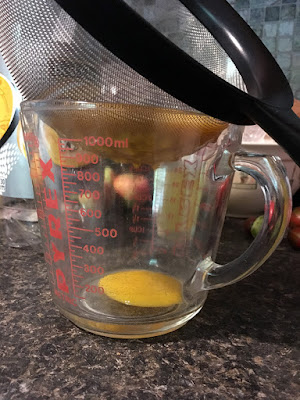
88	212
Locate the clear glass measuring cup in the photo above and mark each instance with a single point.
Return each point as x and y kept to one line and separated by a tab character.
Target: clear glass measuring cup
131	202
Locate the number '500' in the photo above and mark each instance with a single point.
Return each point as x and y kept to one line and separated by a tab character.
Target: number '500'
104	232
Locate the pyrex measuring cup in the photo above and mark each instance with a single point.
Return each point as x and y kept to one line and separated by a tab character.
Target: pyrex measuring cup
131	202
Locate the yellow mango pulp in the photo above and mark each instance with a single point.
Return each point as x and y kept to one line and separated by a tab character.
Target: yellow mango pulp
142	288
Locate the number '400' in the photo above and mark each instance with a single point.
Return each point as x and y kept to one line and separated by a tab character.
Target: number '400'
93	249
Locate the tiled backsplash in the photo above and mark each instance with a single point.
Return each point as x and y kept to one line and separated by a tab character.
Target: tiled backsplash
277	23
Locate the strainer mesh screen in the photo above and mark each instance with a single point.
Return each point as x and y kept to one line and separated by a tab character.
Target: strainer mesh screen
51	57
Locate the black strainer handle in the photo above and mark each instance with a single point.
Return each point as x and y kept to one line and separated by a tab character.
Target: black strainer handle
122	31
261	74
128	36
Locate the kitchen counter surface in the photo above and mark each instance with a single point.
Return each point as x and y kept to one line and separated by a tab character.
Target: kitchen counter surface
243	344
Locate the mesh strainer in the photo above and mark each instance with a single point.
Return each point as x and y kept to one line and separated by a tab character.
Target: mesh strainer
180	54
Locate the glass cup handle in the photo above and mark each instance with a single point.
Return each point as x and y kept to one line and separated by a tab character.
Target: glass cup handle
270	174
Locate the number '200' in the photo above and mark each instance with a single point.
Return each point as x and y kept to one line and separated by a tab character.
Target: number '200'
94	289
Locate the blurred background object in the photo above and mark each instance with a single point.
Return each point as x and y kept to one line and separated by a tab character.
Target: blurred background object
246	198
277	23
18	214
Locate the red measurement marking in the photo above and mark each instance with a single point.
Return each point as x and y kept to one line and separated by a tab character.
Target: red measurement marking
68	191
73	219
78	247
137	229
142	168
77	266
105	142
70	183
64	150
71	201
64	185
71	210
71	140
74	158
75	237
153	233
146	209
145	240
82	229
78	276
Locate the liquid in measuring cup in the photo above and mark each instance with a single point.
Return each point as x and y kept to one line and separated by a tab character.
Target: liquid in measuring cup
118	194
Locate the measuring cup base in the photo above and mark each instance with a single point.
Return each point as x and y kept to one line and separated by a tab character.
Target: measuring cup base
130	331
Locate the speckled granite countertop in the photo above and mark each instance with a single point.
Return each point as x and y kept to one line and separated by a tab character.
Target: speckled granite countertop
243	345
